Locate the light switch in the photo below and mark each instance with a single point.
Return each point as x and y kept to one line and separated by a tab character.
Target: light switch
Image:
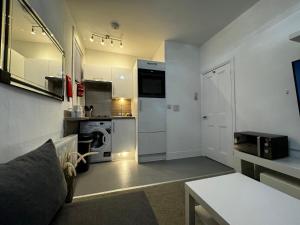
176	108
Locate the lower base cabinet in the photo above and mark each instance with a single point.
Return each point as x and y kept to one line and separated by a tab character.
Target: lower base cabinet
123	138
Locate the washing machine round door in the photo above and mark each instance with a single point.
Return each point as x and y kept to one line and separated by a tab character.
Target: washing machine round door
100	138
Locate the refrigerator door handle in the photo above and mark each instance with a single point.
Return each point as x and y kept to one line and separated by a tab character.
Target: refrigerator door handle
140	105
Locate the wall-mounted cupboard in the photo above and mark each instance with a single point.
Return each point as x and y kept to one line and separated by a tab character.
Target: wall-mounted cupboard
122	83
94	72
121	79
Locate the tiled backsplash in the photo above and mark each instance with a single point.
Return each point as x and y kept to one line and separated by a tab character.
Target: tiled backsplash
99	96
120	107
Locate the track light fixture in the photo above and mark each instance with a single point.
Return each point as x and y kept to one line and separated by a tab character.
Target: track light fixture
92	38
33	31
106	38
34	28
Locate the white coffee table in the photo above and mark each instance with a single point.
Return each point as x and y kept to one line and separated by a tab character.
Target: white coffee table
239	200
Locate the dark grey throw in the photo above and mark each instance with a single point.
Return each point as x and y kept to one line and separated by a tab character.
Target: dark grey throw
32	188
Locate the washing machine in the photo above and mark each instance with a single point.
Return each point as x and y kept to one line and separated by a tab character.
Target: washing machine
101	135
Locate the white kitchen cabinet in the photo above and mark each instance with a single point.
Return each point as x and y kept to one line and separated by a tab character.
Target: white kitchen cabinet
122	83
95	72
152	143
55	68
123	136
36	70
17	62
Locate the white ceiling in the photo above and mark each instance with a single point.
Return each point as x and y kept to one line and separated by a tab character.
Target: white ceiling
146	23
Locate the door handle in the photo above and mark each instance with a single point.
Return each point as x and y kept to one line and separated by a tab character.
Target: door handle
204	117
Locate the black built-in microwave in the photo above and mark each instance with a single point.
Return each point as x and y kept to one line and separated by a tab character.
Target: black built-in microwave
268	146
151	83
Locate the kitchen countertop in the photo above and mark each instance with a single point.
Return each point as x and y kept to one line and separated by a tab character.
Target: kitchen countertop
123	117
99	118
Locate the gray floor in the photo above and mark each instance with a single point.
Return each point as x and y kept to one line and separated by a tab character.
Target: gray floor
110	176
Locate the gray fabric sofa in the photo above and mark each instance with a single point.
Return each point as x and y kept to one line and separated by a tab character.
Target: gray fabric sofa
33	191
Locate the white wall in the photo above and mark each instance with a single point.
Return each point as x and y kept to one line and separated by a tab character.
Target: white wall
109	59
182	81
159	54
258	41
28	119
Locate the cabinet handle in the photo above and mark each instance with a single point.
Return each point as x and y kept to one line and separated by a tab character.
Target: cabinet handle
113	126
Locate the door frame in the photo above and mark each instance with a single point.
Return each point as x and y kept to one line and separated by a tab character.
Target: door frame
231	63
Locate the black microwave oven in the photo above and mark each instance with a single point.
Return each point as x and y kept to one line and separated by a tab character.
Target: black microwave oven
151	83
268	146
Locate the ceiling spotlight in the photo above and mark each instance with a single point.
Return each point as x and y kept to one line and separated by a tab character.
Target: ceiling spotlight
92	38
112	42
121	44
102	41
43	32
32	31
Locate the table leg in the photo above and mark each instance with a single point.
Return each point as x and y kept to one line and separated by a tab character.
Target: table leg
189	209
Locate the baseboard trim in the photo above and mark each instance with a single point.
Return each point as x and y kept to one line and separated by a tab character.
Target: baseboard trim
183	154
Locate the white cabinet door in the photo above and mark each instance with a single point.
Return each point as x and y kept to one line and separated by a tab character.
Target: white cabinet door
55	68
94	72
36	70
123	135
152	114
122	83
17	63
152	143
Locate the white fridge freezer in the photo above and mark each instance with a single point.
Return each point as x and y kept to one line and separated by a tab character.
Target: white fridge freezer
152	126
152	115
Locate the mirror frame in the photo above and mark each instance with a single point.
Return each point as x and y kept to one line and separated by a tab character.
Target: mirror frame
5	75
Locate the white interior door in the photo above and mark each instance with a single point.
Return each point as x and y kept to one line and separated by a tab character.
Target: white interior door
217	115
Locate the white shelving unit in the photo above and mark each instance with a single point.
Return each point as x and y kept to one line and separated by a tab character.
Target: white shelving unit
289	166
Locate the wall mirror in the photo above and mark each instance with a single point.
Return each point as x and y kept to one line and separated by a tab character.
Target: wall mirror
33	57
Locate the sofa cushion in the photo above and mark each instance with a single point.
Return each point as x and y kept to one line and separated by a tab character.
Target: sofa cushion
32	187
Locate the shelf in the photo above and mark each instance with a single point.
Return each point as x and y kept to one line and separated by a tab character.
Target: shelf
54	79
289	165
295	37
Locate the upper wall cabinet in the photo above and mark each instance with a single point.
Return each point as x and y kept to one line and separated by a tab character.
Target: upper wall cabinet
122	83
121	79
94	72
31	57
